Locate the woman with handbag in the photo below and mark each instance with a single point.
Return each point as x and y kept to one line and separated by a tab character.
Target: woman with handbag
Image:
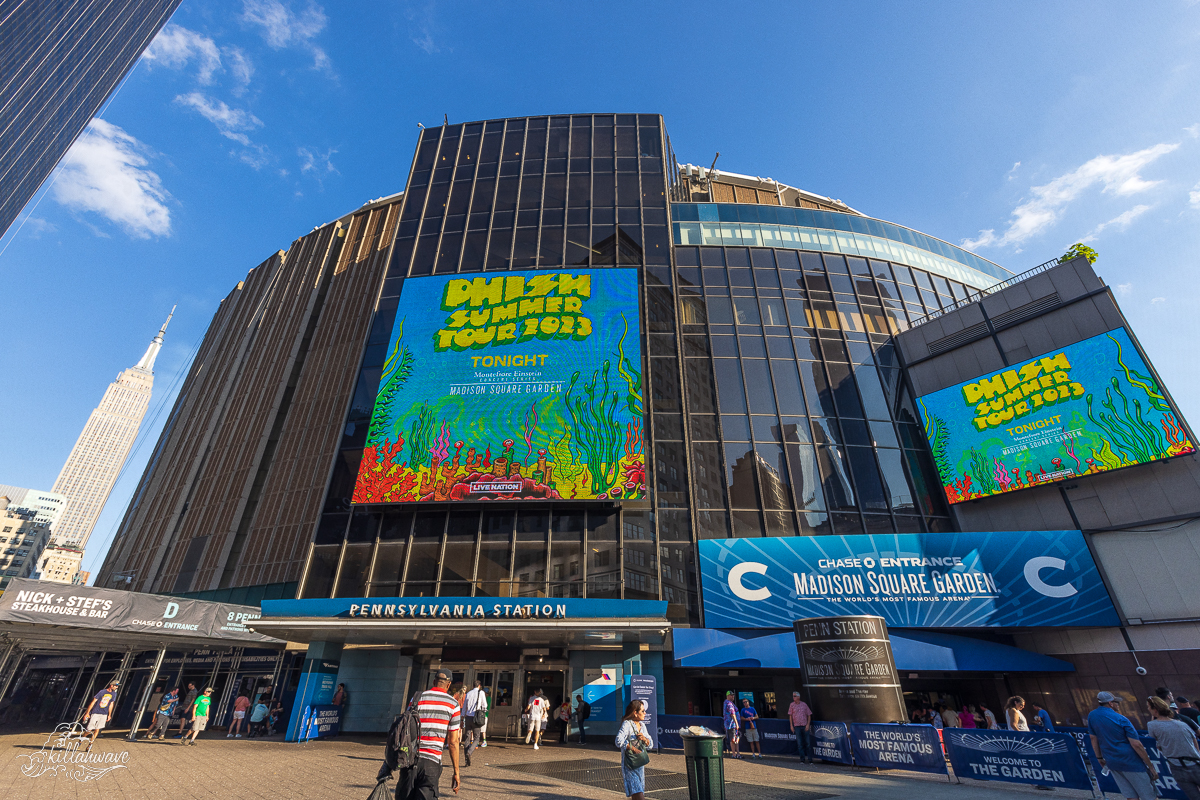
634	741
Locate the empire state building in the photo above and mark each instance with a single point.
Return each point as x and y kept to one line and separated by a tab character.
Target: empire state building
100	452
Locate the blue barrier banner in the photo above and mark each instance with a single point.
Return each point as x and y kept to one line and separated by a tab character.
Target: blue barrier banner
831	742
320	721
912	580
1046	759
775	735
891	746
1166	784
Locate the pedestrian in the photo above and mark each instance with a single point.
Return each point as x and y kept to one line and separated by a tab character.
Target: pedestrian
1013	716
526	721
199	715
800	722
583	710
1186	709
240	706
750	728
163	714
539	715
441	729
950	717
474	717
1042	718
258	719
989	717
341	699
935	717
155	699
966	719
96	714
1168	697
634	738
276	715
731	718
487	699
185	710
1177	743
1119	750
563	717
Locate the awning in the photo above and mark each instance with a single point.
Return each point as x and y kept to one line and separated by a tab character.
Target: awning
915	651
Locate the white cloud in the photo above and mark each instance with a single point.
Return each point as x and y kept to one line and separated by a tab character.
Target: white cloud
176	46
1120	222
1157	300
231	122
1124	288
1012	173
105	172
282	27
1193	130
1116	175
242	68
1194	196
316	163
36	226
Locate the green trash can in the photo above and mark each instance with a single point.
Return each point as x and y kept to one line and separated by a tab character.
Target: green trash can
705	769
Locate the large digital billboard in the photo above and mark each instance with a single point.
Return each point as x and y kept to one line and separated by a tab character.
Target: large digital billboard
510	386
912	580
1090	407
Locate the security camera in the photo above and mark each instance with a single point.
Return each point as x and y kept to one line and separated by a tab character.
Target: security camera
1141	670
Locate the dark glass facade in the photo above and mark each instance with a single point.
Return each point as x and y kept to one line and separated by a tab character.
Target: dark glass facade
772	378
58	64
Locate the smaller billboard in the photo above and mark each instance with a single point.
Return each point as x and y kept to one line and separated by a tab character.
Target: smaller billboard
912	580
1090	407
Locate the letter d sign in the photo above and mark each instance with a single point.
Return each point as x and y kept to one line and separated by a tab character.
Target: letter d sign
172	610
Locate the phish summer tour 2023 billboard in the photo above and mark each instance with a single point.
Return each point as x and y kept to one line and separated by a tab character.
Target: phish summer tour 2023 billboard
514	386
1090	407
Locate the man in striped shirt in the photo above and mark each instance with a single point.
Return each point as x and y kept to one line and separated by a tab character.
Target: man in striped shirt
441	724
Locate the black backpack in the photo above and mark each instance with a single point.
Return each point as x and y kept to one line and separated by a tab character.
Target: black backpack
403	740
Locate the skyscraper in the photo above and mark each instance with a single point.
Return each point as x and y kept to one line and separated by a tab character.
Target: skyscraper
58	64
102	447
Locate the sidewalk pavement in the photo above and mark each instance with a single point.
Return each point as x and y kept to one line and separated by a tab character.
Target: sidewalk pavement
345	768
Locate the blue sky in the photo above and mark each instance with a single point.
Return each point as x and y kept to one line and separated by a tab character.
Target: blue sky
1017	129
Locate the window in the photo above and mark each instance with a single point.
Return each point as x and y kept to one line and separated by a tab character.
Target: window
601	558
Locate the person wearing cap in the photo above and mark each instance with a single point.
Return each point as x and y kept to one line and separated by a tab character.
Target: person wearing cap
732	724
1168	697
1177	744
800	721
441	728
98	710
199	716
1118	749
1186	709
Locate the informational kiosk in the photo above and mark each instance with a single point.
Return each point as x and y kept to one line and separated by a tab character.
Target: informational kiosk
847	669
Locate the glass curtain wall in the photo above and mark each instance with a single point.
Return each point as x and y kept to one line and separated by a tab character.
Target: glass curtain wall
539	192
790	378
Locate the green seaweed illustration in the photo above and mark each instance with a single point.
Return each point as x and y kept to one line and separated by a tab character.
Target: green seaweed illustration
1143	382
566	466
598	435
421	438
983	473
1107	457
396	371
1137	439
631	374
939	440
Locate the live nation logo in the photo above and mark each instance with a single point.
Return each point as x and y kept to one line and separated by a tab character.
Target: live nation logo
63	755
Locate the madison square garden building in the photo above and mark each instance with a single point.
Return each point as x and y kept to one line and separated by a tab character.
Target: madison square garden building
565	411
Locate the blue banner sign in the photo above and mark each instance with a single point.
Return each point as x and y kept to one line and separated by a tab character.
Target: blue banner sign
1045	759
776	738
319	721
912	580
831	742
422	610
318	681
645	688
671	727
889	746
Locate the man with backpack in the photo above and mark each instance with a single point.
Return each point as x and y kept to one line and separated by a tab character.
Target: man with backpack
432	721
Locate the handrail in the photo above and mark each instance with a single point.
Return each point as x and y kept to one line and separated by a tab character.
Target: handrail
979	295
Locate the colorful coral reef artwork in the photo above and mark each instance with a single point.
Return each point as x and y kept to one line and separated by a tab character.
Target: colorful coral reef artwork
1090	407
510	386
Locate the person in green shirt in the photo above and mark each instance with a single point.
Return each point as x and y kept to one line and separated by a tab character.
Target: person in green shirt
199	716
